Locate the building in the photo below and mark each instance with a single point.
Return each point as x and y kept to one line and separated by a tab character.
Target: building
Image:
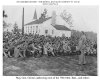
8	28
48	26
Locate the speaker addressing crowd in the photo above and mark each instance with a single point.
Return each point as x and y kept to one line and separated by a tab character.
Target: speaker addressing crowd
16	45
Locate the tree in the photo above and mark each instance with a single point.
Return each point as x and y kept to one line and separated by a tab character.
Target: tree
4	15
44	14
53	18
67	17
16	30
4	24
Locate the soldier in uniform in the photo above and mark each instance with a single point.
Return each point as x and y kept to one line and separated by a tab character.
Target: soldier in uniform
82	48
66	47
48	48
25	48
17	52
33	48
5	52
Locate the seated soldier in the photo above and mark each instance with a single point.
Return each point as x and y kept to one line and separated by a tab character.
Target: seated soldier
17	52
39	48
45	48
23	48
31	48
66	47
6	51
94	51
48	48
54	48
88	49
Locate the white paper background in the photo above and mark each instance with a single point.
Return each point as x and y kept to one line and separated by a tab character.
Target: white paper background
13	2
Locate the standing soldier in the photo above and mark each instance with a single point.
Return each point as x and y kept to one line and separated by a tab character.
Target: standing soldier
82	48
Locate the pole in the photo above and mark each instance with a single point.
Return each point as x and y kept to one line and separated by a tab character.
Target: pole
23	22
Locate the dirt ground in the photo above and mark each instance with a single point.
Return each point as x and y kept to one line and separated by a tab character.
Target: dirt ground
49	66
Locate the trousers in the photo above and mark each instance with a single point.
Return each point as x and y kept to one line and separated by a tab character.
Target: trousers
82	59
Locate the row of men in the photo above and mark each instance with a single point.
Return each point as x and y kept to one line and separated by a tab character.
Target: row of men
43	47
20	50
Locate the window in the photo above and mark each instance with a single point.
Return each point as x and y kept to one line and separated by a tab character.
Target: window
63	35
52	31
39	30
46	31
36	29
33	32
31	29
26	29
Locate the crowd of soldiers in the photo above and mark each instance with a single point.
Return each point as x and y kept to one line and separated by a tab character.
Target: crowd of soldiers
36	46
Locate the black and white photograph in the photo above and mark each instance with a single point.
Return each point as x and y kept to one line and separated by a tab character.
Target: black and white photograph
50	40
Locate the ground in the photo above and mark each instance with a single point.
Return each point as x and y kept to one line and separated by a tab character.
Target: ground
49	66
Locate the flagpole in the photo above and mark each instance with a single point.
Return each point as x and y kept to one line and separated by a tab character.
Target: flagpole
23	22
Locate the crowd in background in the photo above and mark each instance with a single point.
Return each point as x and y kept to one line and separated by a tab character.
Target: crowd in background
18	45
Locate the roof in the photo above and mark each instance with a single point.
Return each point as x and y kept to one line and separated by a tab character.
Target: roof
38	21
61	27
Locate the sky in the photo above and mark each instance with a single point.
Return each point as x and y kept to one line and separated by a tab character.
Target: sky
85	18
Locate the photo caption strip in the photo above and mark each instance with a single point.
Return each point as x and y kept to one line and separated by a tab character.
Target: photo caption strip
55	77
50	2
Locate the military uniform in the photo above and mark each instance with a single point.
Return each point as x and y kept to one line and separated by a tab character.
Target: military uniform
4	52
17	52
33	48
48	47
82	48
66	47
24	47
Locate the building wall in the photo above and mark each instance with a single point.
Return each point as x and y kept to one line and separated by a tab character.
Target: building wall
52	31
9	29
45	29
30	29
62	33
46	26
